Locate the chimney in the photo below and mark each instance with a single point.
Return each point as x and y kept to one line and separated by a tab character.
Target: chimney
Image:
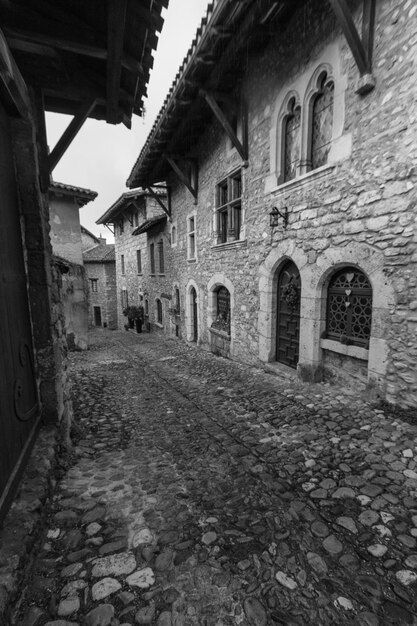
102	239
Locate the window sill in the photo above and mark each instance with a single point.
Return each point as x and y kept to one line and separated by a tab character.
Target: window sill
342	348
304	179
239	243
161	274
158	324
220	333
194	260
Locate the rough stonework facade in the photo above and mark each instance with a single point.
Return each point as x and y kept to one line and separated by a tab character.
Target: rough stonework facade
137	284
332	294
100	270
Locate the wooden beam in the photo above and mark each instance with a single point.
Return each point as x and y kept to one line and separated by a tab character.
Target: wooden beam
345	19
13	85
368	29
70	133
186	180
38	43
116	18
41	140
157	198
242	149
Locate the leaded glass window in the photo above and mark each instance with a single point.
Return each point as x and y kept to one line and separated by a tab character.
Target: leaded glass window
349	307
322	125
292	126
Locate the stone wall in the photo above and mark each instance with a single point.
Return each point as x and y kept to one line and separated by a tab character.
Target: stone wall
75	301
137	284
357	210
105	297
65	227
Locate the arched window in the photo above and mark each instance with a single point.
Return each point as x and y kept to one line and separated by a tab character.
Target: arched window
349	307
159	311
322	123
222	321
291	137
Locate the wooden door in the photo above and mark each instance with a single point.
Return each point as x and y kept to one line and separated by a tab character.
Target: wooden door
97	316
19	407
288	315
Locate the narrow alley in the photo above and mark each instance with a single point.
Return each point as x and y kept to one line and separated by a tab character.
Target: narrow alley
204	492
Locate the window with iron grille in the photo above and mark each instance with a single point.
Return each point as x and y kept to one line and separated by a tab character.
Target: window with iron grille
161	265
222	321
139	261
159	311
349	307
122	262
291	156
322	124
228	208
94	285
152	257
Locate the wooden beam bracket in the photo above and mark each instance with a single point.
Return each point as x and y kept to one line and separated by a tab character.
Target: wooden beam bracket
185	177
70	133
13	84
166	209
360	46
241	147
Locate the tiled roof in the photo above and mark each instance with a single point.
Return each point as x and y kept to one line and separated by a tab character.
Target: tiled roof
82	195
124	200
103	253
153	221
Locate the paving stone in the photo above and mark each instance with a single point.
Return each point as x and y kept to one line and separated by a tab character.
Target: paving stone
317	563
143	578
368	517
68	606
348	523
332	545
255	612
114	565
100	616
104	588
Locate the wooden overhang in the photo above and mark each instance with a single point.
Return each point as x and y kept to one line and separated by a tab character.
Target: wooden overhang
128	203
84	58
207	83
149	224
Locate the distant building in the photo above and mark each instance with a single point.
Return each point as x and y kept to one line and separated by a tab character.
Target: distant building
88	240
67	244
100	267
138	221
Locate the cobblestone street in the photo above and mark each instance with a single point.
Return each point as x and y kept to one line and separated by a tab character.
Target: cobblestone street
206	492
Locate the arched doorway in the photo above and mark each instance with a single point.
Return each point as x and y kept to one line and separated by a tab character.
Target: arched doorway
193	314
288	315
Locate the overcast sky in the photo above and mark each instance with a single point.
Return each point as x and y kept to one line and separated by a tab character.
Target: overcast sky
102	155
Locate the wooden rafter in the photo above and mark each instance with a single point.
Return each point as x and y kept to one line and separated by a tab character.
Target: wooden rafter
70	133
211	101
44	44
360	46
166	209
116	18
12	81
41	140
184	177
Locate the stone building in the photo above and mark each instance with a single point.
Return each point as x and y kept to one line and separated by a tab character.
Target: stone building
288	142
88	240
60	58
141	240
100	267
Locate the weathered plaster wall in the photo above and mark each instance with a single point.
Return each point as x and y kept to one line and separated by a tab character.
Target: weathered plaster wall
65	227
75	301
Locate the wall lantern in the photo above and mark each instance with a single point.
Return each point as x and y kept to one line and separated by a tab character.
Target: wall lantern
275	214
